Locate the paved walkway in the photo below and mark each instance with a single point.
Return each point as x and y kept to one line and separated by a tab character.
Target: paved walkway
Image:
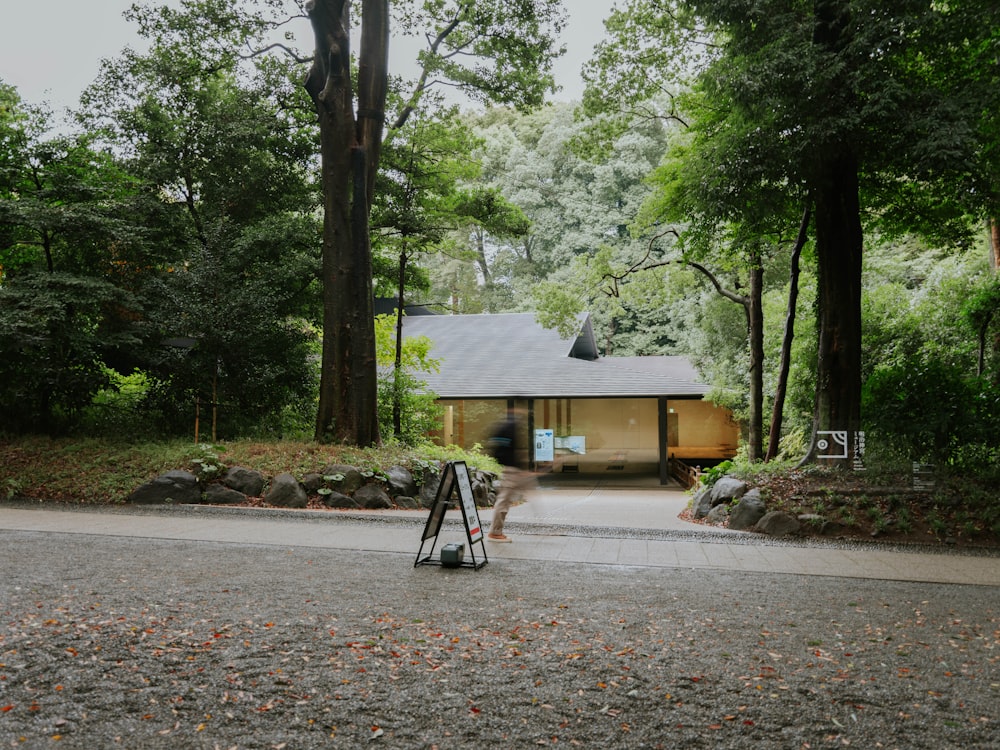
580	523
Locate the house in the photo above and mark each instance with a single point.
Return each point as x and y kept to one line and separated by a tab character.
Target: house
585	412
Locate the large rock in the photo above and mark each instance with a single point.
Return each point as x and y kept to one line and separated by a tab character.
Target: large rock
718	514
429	489
349	481
313	483
372	497
778	523
218	494
747	512
173	487
401	481
481	493
286	492
701	503
248	481
334	499
728	489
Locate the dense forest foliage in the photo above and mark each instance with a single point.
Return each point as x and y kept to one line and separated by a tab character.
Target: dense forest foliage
800	197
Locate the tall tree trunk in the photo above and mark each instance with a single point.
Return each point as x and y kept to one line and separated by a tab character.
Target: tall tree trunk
780	391
839	240
995	244
484	267
47	248
373	85
995	264
397	365
755	329
350	150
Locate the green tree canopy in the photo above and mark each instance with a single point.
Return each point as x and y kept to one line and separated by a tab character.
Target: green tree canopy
228	149
857	106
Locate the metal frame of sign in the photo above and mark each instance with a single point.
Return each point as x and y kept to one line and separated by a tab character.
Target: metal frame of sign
454	478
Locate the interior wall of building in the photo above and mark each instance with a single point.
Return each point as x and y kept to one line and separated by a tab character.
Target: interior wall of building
705	430
597	435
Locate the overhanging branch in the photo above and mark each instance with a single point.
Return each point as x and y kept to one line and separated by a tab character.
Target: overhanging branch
277	45
640	265
644	265
421	84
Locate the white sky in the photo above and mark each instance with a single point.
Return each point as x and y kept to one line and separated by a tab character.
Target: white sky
51	50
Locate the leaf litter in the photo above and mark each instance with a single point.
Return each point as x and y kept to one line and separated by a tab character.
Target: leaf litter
269	650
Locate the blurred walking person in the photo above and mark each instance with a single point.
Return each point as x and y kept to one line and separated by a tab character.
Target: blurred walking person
507	446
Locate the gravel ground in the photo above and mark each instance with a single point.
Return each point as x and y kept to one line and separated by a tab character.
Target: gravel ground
112	642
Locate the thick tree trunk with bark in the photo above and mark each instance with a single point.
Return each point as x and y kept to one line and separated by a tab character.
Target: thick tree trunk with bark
350	150
839	240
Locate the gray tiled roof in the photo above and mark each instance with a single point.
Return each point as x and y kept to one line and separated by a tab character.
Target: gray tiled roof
511	355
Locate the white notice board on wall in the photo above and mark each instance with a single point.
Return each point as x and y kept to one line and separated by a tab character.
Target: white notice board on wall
573	443
544	445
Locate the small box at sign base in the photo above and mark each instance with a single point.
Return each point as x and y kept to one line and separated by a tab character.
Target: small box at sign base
452	555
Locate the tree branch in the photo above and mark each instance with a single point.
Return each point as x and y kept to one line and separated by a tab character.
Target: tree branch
277	45
639	265
421	85
643	265
739	299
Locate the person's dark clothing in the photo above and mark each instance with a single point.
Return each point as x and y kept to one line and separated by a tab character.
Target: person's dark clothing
516	482
502	444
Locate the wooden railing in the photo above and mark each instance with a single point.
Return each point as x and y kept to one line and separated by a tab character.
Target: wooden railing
688	476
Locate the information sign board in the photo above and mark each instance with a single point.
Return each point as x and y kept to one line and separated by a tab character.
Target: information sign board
544	445
454	478
441	500
469	510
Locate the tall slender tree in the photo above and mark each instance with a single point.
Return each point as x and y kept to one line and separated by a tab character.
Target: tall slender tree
65	230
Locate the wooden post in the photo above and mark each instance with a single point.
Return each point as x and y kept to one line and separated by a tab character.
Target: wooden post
215	401
661	430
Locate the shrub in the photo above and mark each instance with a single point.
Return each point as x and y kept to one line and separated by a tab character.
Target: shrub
715	473
929	412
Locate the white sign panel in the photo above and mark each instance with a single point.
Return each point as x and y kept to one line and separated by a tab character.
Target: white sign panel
544	445
573	443
468	501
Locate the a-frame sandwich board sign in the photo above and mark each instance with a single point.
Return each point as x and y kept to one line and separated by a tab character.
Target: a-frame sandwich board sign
454	479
